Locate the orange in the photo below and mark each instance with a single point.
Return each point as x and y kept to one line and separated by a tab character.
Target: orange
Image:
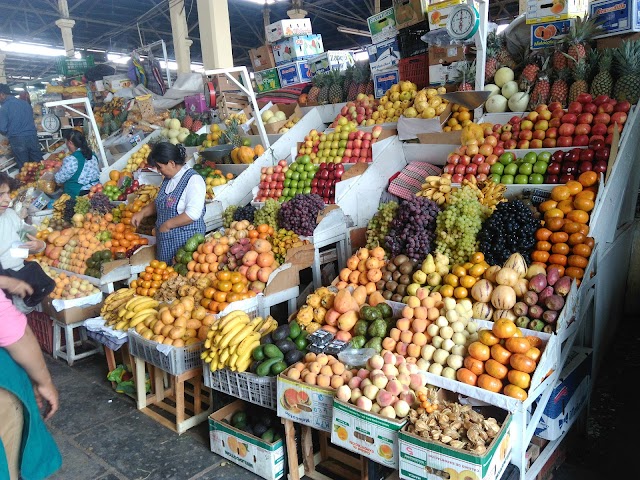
560	192
579	216
553	213
565	205
547	205
588	179
585	204
114	175
574	186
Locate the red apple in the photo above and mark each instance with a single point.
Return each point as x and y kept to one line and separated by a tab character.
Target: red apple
485	149
515	120
526	124
569	118
596	144
523	144
586	155
477	159
541	125
585	167
464	160
605	108
602	118
535	143
553	106
564	141
539	134
510	144
496	127
575	107
623	106
557	156
554	168
596	137
491	159
600	99
557	113
457	178
453	158
564	178
599	129
551	133
584	98
449	168
533	116
585	118
603	154
549	143
600	166
590	108
472	168
481	177
498	149
581	140
507	128
551	178
566	129
545	115
484	168
555	122
504	136
582	129
525	135
619	117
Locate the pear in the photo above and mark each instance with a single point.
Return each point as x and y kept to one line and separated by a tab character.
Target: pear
429	265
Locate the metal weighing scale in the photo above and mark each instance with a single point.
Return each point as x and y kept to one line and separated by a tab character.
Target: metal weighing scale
50	123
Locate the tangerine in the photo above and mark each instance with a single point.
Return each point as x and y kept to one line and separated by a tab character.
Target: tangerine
560	192
574	186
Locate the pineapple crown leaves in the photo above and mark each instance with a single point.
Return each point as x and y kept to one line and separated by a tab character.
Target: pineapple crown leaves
581	70
466	72
584	28
627	57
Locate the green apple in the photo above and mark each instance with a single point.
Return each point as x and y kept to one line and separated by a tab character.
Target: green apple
530	157
506	179
536	178
497	168
506	158
544	156
496	178
287	182
525	169
540	167
521	179
511	169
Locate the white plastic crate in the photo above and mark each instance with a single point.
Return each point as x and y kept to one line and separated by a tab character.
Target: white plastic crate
246	386
109	341
176	361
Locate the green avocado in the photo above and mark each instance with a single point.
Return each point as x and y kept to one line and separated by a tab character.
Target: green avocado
370	313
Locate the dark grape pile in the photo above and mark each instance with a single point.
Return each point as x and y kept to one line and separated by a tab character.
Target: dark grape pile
511	228
378	226
300	213
100	203
244	213
69	209
227	215
412	231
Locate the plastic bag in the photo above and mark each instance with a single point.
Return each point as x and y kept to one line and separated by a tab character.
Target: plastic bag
47	183
123	379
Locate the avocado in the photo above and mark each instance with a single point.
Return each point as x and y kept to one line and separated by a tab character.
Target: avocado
268	436
259	428
293	356
265	367
286	345
281	332
266	339
278	367
254	365
294	330
272	351
239	418
301	342
258	353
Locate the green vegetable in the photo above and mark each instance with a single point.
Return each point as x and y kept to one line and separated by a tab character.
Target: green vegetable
258	353
265	367
375	343
271	351
360	328
301	342
370	313
377	328
384	309
278	368
191	245
268	436
239	418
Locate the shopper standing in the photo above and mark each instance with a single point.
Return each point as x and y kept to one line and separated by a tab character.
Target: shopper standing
16	123
79	171
179	205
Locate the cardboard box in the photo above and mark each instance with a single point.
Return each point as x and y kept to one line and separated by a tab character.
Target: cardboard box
548	11
338	60
384	55
382	81
426	459
195	103
267	80
618	16
72	314
614	41
294	73
366	433
382	25
409	12
297	48
223	84
448	54
262	58
113	83
288	274
306	404
569	395
288	28
291	111
547	34
250	452
444	73
438	13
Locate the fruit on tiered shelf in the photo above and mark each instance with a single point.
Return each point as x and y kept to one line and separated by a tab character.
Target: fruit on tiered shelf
563	239
325	179
402	277
134	312
212	138
282	241
458	224
174	132
363	111
291	122
300	214
387	386
436	187
30	172
434	332
212	178
246	154
138	159
342	316
543	301
94	262
311	315
275	180
569	165
113	302
322	370
149	281
373	325
429	104
286	343
627	68
268	213
378	226
398	100
532	168
412	231
231	339
69	286
460	117
363	268
502	360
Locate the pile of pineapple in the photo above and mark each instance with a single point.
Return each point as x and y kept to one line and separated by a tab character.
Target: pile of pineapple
338	87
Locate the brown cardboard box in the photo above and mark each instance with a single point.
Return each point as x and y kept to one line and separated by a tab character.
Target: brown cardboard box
291	110
299	258
447	54
615	41
71	315
409	12
358	238
262	58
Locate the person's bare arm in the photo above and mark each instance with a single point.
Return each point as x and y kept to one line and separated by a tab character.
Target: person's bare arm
26	353
175	222
146	211
15	286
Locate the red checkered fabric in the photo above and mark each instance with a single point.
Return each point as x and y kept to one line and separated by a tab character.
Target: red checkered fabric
409	181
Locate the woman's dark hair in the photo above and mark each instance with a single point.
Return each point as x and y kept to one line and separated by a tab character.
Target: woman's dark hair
6	179
165	152
80	142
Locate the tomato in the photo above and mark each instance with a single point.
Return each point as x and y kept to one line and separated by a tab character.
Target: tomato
496	369
515	392
503	328
479	351
522	362
489	383
500	354
465	375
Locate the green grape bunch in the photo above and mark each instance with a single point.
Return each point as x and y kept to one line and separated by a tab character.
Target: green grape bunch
227	215
378	226
268	214
458	225
83	205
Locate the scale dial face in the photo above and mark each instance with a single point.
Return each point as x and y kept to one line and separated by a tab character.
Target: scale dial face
50	123
463	22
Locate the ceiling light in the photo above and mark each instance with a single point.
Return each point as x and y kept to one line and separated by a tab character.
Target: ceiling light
354	31
32	49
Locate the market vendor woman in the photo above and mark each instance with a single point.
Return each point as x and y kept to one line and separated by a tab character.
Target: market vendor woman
179	205
79	171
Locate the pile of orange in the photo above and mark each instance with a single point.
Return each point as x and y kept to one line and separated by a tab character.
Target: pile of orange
563	240
461	278
152	278
123	238
502	360
225	287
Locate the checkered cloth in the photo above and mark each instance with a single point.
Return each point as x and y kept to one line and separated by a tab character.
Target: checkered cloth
409	181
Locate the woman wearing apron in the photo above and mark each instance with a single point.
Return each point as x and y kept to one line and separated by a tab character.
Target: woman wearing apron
79	171
179	205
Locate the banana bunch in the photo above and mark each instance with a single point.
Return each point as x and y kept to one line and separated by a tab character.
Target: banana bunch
147	193
231	340
111	305
135	311
489	193
58	206
436	188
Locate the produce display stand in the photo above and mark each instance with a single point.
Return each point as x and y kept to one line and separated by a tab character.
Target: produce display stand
115	271
69	351
121	162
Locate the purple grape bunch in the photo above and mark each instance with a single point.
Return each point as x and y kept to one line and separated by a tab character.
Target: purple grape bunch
412	231
100	203
300	213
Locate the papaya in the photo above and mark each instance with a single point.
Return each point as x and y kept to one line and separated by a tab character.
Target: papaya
258	150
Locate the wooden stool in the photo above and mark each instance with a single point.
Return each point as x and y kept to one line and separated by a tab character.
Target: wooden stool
68	351
173	400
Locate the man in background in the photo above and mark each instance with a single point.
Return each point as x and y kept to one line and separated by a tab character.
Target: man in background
16	123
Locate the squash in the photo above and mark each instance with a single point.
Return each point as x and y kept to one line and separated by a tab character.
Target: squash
234	156
518	263
246	155
258	150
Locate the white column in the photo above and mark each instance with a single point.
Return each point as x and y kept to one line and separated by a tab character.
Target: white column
215	34
180	31
65	24
3	75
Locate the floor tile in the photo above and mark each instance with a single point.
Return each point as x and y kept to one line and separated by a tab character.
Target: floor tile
227	470
76	463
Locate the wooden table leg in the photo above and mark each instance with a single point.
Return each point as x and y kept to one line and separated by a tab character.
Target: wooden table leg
292	449
307	449
197	392
140	381
111	362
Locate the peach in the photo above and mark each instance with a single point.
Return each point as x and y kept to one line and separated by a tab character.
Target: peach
433	313
420	339
343	393
401	408
408	397
412	366
364	403
375	372
413	351
404	378
395	334
403	324
385	399
356	393
370	391
376	362
412	302
417	381
380	380
400	360
389	344
390	370
326	370
310	357
420	313
407	312
406	336
388	412
323	381
354	382
403	369
315	367
389	358
363	373
394	387
401	348
375	408
364	383
347	375
422	293
336	381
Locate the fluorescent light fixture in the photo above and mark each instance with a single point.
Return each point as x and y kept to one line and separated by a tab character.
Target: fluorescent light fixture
34	49
361	56
19	89
501	28
262	2
353	31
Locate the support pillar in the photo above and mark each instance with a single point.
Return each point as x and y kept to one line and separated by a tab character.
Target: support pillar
180	32
215	34
66	25
3	75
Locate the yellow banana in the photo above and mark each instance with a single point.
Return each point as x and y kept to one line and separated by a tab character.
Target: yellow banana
230	317
226	339
243	364
137	320
232	360
252	338
241	335
144	313
234	324
207	343
205	354
129	314
149	303
255	323
122	312
224	356
121	325
132	301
